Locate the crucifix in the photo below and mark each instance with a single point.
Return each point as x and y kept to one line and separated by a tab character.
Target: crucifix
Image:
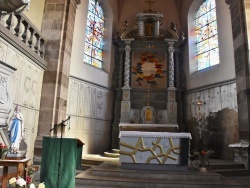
199	103
150	2
200	119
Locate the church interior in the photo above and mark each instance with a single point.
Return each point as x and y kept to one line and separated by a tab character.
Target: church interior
154	80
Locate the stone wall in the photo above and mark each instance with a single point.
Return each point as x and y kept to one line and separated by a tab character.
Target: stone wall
220	126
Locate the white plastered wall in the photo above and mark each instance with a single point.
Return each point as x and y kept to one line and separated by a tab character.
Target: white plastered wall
85	71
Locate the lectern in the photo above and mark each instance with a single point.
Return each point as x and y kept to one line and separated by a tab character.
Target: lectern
71	154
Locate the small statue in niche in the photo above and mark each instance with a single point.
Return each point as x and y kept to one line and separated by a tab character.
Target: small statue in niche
149	29
16	129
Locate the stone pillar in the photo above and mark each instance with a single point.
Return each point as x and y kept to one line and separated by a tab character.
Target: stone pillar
141	26
177	81
126	103
118	95
240	16
57	27
171	104
157	28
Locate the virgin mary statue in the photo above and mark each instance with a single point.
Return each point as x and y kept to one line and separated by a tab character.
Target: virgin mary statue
15	130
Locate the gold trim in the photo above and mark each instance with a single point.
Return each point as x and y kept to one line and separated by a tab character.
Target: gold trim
141	147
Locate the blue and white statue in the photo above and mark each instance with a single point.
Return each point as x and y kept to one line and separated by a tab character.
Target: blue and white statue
16	129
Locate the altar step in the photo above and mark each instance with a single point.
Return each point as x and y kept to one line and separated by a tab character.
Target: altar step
109	174
114	154
228	168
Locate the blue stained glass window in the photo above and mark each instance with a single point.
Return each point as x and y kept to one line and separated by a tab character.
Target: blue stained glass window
93	50
206	35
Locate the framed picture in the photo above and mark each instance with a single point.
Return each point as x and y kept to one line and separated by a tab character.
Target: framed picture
149	70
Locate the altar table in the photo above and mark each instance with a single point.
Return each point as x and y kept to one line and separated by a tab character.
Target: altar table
154	150
148	127
21	166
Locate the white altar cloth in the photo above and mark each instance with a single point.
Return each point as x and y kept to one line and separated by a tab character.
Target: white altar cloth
154	134
147	125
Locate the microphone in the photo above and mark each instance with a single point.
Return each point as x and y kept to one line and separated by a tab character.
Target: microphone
69	124
55	125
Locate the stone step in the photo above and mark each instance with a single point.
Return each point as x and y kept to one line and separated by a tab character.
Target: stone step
113	155
115	150
110	174
232	165
191	174
233	172
86	179
90	162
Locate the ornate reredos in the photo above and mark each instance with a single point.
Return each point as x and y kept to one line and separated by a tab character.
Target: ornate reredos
149	26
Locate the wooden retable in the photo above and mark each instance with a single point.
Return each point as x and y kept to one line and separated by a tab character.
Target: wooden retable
20	164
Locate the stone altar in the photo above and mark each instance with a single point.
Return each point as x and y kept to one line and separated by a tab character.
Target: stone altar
154	150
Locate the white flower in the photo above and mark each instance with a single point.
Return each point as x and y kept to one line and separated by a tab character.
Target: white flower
41	185
21	182
32	186
12	180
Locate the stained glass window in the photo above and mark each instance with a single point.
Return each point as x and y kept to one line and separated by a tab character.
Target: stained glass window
93	51
206	35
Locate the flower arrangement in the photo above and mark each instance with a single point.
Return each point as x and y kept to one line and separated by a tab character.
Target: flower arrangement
21	183
26	183
202	156
3	150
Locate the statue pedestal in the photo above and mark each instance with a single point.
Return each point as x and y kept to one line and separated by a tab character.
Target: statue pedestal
16	156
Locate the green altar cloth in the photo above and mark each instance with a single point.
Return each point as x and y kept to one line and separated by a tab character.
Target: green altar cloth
71	153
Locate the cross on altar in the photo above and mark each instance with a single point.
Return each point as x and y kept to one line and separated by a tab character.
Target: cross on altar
150	2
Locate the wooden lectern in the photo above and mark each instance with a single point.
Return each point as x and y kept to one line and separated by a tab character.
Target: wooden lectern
71	155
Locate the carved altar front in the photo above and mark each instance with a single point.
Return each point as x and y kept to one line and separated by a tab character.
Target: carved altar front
154	150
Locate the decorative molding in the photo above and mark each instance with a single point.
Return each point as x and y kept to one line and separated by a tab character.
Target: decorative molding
6	100
90	83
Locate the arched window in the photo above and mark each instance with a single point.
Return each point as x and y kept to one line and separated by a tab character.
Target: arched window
93	51
206	35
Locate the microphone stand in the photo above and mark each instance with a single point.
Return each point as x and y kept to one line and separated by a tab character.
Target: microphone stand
60	148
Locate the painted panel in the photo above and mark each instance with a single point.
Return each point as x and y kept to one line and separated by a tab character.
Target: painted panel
149	70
